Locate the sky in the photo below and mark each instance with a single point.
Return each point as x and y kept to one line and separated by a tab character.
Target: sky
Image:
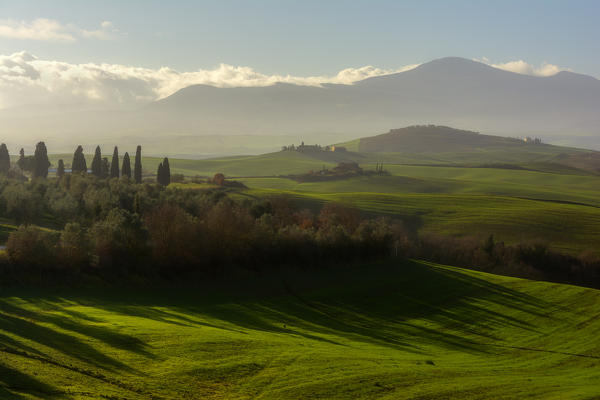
136	51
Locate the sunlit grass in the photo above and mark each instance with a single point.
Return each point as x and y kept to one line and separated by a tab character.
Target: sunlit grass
412	330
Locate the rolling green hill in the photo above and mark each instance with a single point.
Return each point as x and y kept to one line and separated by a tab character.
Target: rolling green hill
422	145
400	331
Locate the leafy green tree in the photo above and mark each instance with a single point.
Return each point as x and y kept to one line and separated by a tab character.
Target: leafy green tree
126	168
74	245
32	247
4	159
41	162
22	205
60	171
97	163
137	169
114	164
79	164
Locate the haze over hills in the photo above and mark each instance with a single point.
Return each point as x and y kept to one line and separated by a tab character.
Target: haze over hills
449	91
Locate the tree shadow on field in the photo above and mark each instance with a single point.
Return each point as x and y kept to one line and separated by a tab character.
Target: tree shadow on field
13	382
39	327
404	308
408	306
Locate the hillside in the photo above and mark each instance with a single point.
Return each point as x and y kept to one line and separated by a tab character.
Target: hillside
412	330
435	139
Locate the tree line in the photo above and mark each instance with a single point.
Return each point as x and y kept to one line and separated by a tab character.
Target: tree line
38	165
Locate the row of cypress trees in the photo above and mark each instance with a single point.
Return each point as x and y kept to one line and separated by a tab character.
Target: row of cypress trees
39	164
101	167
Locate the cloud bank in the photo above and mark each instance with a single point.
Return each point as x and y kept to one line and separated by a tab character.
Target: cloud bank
524	68
26	79
51	30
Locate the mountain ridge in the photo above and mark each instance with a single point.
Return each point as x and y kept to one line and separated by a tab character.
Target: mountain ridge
450	91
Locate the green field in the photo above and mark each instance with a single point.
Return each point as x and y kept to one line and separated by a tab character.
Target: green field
407	330
558	208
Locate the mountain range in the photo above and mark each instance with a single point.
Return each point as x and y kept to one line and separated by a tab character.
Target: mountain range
201	120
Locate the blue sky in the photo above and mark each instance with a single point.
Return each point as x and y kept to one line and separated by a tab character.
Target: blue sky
315	37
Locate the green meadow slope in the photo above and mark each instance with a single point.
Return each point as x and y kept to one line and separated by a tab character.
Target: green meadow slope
405	331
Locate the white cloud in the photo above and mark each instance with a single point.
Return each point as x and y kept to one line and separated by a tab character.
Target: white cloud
51	30
25	79
524	68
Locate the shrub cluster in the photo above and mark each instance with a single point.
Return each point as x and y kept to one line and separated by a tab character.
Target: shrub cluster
112	228
532	259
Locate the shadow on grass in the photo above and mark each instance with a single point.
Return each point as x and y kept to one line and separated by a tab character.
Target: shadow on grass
404	307
13	383
410	307
39	327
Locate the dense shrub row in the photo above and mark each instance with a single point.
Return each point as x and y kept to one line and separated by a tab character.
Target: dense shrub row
114	229
529	260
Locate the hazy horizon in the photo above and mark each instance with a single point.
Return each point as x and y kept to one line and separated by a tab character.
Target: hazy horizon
93	71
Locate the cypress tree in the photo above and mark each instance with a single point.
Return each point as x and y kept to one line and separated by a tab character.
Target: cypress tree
97	163
159	174
137	169
4	159
60	171
105	168
114	164
163	175
126	168
40	161
166	172
79	164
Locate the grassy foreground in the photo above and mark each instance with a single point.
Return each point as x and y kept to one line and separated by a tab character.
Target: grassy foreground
409	330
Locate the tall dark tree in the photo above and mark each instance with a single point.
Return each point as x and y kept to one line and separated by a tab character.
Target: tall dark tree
159	174
40	161
79	164
166	172
137	169
105	168
60	171
163	175
114	164
126	168
97	163
4	159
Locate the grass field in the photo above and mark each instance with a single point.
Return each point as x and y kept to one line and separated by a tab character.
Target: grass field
411	330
